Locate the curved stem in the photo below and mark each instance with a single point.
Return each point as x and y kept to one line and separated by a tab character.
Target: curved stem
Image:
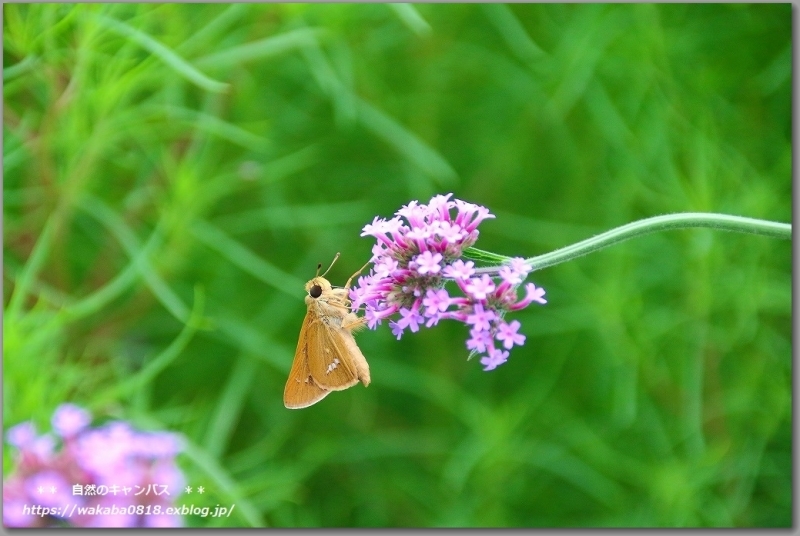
683	220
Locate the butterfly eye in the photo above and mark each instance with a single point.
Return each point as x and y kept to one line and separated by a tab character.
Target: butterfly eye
315	291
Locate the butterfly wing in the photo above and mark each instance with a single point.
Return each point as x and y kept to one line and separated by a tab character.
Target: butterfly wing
301	391
333	367
351	323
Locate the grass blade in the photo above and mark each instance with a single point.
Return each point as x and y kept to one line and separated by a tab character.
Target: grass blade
246	259
144	376
130	243
217	127
230	405
262	49
165	54
409	15
406	143
32	267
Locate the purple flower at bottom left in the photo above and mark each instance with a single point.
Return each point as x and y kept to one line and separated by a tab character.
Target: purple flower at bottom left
81	476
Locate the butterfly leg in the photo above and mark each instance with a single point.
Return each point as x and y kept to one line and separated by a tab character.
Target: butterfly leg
352	322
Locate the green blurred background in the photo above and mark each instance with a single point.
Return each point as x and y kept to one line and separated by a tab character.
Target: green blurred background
174	173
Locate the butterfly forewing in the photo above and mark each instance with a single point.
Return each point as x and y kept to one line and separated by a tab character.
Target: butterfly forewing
301	391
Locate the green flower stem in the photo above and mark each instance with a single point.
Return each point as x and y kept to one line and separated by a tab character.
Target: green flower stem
684	220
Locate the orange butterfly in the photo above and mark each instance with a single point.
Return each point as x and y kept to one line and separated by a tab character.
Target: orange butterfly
327	356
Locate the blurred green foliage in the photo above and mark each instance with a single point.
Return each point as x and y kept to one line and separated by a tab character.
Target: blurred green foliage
174	173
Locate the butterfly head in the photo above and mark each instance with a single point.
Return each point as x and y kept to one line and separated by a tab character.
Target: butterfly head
317	286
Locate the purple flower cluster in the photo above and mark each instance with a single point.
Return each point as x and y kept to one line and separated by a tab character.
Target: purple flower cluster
417	252
111	465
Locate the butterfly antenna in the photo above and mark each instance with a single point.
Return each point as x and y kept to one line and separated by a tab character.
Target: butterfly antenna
329	267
